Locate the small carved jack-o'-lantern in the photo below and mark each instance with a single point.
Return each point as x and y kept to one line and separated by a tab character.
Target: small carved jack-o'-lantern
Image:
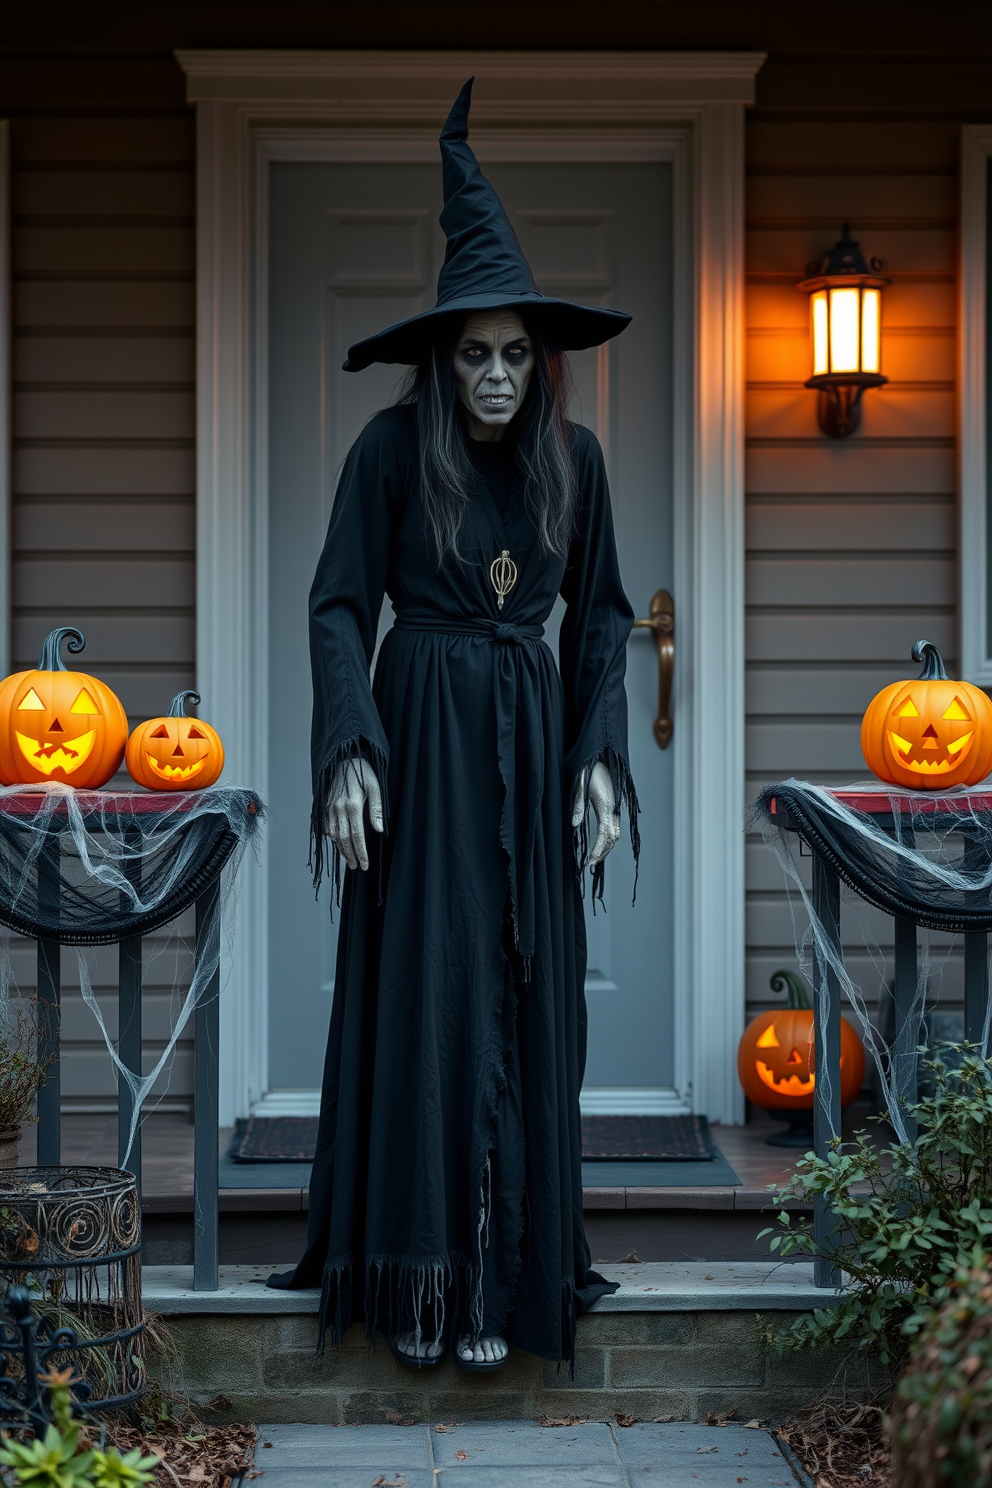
175	753
931	733
60	725
775	1057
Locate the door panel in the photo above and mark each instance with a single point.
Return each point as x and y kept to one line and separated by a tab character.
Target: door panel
355	248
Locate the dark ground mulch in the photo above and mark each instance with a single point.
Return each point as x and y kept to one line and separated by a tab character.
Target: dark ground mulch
192	1456
841	1444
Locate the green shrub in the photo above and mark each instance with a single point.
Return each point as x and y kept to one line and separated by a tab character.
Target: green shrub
941	1424
908	1217
56	1460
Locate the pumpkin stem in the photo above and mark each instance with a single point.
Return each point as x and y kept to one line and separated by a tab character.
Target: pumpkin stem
51	659
933	664
177	708
797	988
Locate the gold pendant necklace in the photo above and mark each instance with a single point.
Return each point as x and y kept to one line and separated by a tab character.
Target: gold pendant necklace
503	575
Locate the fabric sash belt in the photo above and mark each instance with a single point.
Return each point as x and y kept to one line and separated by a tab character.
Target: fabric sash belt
493	630
520	743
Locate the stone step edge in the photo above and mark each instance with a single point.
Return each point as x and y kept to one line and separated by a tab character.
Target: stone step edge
659	1286
297	1200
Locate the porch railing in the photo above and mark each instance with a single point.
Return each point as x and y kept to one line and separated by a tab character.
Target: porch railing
908	1010
206	1028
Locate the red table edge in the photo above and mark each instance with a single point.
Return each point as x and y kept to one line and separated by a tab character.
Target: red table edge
877	803
112	802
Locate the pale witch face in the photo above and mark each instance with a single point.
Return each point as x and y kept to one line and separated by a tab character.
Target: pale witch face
493	362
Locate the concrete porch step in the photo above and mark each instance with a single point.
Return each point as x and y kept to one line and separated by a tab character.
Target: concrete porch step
676	1342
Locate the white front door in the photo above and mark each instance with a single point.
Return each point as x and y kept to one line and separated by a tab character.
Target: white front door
353	248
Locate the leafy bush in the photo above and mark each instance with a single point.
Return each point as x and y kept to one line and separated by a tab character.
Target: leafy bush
21	1075
57	1460
941	1423
908	1217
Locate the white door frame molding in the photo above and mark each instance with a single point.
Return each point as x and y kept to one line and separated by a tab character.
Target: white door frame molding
388	106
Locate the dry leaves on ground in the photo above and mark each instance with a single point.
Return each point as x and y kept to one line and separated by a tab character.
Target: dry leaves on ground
623	1420
563	1420
199	1457
841	1444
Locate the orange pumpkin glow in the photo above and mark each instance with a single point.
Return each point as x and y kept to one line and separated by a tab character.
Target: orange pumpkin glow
775	1059
59	725
930	733
175	753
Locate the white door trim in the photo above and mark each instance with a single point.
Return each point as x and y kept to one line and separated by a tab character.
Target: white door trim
253	107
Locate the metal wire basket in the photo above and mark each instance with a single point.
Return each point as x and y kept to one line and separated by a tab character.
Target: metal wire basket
72	1238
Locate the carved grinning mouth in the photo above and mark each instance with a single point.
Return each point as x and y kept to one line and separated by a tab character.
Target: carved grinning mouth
67	754
956	752
791	1086
175	772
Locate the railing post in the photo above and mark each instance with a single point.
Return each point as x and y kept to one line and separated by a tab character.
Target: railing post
49	1006
826	1093
976	985
129	1019
905	1059
206	1097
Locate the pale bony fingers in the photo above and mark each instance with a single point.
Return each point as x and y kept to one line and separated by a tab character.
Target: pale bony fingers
375	802
343	840
579	809
356	828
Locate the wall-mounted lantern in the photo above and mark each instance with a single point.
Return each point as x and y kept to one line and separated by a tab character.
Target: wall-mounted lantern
846	331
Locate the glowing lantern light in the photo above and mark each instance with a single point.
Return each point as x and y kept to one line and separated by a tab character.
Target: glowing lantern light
846	330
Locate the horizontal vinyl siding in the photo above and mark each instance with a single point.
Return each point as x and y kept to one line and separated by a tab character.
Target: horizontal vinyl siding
851	546
103	518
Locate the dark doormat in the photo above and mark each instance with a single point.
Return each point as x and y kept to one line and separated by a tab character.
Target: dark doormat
647	1139
272	1139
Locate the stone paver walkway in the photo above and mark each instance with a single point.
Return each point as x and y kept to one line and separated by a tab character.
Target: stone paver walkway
519	1454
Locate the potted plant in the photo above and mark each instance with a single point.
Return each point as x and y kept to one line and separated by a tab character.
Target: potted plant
21	1077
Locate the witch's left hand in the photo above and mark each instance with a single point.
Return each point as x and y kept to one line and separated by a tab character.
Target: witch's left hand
604	803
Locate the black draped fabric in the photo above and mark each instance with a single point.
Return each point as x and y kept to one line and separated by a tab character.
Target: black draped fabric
928	863
446	1190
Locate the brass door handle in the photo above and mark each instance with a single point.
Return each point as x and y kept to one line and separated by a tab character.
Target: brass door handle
662	623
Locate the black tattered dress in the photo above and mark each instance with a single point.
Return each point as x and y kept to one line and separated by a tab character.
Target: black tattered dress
446	1192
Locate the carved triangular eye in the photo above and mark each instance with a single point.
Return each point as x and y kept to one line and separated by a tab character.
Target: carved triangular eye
84	704
957	711
768	1039
194	732
32	703
908	710
160	733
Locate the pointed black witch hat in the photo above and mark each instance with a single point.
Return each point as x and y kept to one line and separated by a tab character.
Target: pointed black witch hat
484	267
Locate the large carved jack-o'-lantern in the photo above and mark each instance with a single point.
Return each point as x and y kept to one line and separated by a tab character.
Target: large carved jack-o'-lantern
775	1061
930	733
175	753
59	725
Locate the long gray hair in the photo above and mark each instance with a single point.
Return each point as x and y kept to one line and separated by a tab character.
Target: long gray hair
542	439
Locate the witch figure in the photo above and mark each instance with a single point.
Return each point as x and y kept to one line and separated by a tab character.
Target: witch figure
446	1193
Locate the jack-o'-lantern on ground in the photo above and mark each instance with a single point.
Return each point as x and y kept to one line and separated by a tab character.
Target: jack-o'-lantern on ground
57	725
930	732
175	753
775	1059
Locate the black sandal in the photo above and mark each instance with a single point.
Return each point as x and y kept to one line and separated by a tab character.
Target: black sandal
483	1366
411	1361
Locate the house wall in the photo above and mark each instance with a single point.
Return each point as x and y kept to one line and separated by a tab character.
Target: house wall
851	547
104	410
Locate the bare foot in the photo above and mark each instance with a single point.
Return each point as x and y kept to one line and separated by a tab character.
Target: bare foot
487	1351
427	1348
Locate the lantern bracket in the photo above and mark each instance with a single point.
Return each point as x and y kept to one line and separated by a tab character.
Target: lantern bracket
839	400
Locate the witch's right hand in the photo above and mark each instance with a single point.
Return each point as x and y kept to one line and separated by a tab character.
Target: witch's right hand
354	783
